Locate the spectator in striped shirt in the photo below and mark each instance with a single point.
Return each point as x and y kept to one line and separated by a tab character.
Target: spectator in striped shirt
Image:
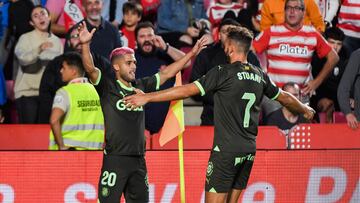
349	22
290	47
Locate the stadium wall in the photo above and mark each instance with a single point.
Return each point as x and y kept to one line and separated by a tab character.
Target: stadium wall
314	163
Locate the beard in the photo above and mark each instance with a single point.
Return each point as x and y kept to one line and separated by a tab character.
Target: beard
146	53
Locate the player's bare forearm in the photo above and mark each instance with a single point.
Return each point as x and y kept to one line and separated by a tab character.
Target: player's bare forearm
88	62
174	93
294	105
178	65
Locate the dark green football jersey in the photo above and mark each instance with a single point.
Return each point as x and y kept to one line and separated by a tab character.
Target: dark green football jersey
124	127
238	90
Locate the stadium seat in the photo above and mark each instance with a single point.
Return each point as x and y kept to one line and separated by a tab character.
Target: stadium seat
339	117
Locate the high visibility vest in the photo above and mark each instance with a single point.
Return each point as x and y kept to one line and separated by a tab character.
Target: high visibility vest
83	126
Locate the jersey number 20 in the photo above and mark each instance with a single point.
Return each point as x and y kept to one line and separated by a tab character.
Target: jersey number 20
251	97
108	178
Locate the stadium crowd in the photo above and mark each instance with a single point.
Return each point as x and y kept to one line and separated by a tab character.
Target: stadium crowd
316	58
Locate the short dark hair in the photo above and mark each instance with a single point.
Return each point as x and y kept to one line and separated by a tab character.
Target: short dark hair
146	24
301	2
242	36
228	21
39	6
290	84
132	6
334	33
74	59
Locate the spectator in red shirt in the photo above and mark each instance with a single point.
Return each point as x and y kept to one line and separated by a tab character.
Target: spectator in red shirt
132	13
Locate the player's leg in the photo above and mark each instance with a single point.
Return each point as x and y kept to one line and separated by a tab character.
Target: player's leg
220	174
233	196
112	179
211	197
244	166
137	189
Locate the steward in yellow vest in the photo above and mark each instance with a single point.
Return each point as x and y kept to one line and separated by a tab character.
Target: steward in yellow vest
76	119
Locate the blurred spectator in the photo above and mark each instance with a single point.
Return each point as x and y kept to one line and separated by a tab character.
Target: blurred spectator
351	81
18	25
113	12
248	16
3	25
290	47
76	119
272	13
152	55
64	14
150	8
2	118
283	118
209	58
39	2
328	10
132	15
2	87
217	11
106	37
349	22
34	50
182	22
325	100
51	80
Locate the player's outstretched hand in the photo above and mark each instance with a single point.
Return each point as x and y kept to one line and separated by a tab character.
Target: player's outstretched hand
309	114
136	100
200	44
84	35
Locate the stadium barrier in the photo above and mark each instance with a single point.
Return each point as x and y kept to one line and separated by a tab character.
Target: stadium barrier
280	176
304	136
314	163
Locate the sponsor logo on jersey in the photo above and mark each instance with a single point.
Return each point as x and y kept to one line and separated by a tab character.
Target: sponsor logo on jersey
120	105
287	49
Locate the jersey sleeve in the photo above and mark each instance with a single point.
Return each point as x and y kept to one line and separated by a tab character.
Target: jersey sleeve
270	89
100	83
149	84
212	80
322	47
261	42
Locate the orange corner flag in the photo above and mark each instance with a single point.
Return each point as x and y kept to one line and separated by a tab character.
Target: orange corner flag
174	122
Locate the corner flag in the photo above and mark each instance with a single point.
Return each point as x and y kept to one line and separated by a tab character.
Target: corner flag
174	122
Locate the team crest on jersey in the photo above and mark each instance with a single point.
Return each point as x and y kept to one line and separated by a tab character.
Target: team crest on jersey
105	192
147	181
209	169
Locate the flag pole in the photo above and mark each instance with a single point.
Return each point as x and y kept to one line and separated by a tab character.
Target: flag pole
181	168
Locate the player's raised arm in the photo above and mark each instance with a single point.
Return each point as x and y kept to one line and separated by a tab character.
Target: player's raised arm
171	70
85	38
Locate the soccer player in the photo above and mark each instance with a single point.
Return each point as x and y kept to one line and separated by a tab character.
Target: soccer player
124	169
238	89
